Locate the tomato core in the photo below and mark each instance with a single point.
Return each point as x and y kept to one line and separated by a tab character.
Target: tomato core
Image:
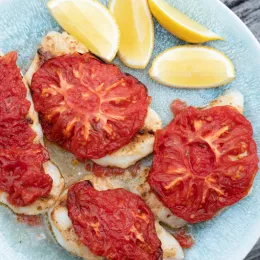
202	158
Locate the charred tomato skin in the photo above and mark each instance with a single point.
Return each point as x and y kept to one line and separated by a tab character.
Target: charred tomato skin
204	161
87	106
115	224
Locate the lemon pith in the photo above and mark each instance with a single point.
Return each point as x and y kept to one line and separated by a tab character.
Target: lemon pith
192	67
91	23
136	31
179	24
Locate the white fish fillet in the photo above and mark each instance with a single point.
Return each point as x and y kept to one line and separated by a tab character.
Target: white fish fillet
65	235
232	98
140	147
56	44
63	230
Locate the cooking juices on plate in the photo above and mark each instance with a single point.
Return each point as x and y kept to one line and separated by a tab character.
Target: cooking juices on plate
205	160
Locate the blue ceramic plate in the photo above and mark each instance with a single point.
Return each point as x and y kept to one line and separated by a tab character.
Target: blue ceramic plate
228	237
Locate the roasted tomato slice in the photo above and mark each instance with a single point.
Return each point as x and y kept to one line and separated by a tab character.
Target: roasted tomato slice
21	160
205	160
22	175
185	240
101	171
89	107
115	224
13	103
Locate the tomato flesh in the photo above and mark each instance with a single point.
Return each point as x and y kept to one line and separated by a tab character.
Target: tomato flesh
21	172
185	240
88	107
115	224
205	160
101	171
32	221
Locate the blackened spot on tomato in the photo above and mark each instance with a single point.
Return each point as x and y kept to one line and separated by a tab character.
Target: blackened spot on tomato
98	58
151	132
63	203
89	183
141	132
141	83
29	120
44	55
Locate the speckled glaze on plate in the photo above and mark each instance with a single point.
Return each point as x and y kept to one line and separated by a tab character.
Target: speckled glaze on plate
229	236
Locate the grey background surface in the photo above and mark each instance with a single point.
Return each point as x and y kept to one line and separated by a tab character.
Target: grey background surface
249	12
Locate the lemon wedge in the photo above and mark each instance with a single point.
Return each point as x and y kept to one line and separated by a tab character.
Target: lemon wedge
179	24
136	29
91	23
192	67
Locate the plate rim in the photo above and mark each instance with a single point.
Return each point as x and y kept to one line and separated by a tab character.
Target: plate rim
248	244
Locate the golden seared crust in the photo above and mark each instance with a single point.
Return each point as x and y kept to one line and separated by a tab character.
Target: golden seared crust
139	147
229	98
54	44
63	230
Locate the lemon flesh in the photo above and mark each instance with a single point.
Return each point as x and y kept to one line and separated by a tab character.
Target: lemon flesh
179	24
91	23
136	31
192	67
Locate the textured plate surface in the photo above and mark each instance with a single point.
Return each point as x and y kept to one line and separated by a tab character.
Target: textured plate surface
227	237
